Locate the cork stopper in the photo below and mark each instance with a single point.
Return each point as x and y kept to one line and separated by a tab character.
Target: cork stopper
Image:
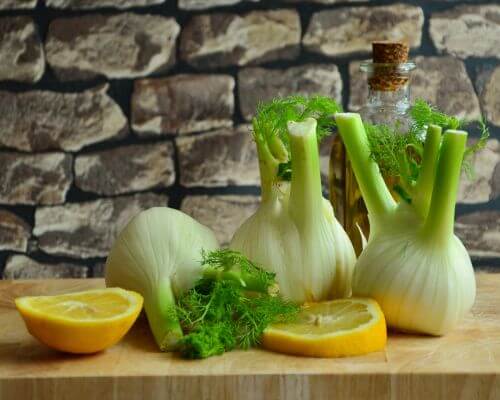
386	52
387	56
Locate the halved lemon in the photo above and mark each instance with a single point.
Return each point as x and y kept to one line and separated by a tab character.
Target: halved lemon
82	322
336	328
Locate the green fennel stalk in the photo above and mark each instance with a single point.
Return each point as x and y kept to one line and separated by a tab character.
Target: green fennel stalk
441	217
424	186
305	189
378	198
413	264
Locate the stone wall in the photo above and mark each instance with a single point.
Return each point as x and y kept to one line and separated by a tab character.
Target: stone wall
108	107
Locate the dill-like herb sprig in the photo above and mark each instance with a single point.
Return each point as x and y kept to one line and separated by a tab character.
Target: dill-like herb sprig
229	307
270	125
272	117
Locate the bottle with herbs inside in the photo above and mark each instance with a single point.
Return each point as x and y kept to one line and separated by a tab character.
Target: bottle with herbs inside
387	104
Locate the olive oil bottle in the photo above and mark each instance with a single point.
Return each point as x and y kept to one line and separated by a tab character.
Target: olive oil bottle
387	103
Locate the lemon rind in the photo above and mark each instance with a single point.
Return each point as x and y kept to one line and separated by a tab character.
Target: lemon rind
24	306
373	308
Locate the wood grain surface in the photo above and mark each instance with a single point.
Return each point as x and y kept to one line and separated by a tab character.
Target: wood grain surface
463	365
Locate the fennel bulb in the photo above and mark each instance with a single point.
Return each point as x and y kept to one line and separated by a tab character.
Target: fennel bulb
294	232
413	265
158	255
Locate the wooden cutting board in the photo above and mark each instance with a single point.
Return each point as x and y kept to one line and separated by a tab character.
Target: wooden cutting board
463	365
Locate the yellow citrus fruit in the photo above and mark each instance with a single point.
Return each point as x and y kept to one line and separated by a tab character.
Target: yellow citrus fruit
82	322
336	328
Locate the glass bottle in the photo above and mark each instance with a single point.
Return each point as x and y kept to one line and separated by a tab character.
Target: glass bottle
388	103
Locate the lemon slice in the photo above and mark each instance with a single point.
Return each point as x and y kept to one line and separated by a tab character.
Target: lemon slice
337	328
82	322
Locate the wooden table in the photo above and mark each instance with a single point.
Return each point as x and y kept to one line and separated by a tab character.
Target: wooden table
463	365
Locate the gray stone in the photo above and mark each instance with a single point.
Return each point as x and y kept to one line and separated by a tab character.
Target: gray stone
91	4
261	84
489	93
204	4
484	185
17	4
87	230
218	158
223	214
99	270
42	120
480	233
126	169
442	81
22	267
216	40
182	104
35	179
21	52
467	31
32	246
14	232
350	30
123	45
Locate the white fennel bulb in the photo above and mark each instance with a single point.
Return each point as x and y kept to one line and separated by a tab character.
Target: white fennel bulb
294	232
413	265
158	255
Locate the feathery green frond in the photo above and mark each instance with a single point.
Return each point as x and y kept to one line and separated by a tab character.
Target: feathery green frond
398	152
270	125
229	307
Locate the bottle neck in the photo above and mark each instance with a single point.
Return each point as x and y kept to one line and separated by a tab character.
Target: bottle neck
397	100
389	108
388	101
